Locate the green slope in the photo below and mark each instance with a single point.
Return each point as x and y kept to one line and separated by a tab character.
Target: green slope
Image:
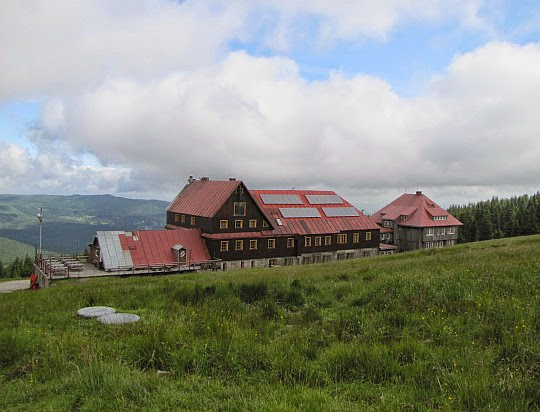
71	221
10	249
451	329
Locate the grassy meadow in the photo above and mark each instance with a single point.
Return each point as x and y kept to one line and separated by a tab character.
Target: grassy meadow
10	249
451	329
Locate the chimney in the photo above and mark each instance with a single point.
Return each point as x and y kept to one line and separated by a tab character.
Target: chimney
232	179
418	192
205	178
190	180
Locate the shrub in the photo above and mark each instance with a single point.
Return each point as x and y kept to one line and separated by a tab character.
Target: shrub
252	292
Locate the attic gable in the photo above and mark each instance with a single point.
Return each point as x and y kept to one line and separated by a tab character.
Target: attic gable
203	197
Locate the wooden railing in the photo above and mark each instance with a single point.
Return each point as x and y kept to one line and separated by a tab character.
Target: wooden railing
58	265
213	264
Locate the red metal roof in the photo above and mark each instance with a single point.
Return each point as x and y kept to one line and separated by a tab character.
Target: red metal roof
387	230
203	197
153	247
419	210
310	225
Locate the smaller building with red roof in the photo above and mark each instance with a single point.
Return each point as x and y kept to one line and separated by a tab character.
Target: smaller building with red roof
414	221
168	250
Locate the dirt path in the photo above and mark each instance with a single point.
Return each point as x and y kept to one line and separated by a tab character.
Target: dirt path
10	286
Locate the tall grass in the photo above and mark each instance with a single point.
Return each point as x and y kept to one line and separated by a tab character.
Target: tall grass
453	329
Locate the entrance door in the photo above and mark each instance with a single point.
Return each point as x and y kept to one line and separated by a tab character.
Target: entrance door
182	256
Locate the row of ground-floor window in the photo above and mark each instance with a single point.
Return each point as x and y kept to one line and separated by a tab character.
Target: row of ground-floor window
309	241
439	243
304	259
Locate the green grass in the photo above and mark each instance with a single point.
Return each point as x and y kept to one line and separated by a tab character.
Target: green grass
10	249
451	329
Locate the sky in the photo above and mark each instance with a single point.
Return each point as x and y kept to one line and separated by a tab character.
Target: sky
370	99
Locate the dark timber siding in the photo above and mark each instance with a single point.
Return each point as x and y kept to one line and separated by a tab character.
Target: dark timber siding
281	249
227	213
410	238
362	244
262	251
203	223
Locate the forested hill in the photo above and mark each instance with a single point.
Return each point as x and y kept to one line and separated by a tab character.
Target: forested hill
71	221
497	218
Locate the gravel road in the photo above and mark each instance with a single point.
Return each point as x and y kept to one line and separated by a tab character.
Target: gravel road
10	286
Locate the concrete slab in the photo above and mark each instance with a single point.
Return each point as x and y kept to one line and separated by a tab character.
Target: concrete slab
118	318
95	311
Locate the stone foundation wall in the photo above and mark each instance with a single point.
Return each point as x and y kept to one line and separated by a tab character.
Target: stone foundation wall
304	259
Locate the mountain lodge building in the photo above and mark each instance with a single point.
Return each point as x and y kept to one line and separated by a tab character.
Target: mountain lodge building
414	221
256	228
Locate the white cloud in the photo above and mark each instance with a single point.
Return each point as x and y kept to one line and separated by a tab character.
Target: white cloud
56	46
53	171
257	119
149	90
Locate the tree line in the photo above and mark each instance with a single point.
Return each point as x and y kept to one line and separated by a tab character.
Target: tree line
18	268
497	218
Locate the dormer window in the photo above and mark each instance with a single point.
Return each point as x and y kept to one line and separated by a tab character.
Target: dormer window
439	217
387	223
239	208
403	217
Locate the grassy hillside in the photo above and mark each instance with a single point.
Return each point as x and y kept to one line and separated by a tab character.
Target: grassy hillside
71	221
452	329
10	249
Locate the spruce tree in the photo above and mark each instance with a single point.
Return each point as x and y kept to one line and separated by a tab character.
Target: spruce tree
15	268
27	267
484	226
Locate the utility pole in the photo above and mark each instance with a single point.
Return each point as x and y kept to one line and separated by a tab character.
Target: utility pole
40	218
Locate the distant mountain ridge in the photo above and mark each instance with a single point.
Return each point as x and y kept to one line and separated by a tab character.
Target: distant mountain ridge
70	221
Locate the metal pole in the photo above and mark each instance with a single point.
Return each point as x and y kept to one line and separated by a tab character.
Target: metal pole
40	229
40	218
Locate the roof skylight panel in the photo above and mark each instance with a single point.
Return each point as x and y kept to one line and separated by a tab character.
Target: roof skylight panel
278	199
324	199
288	212
340	211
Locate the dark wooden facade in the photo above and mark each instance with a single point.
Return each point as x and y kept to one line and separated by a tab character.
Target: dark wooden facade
252	220
282	248
239	222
